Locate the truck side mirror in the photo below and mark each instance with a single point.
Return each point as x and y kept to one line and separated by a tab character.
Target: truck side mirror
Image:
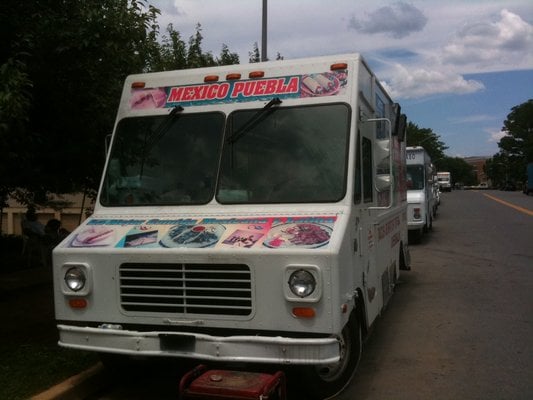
382	154
383	179
383	182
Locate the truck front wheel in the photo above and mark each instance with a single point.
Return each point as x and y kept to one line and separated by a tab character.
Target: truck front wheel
325	381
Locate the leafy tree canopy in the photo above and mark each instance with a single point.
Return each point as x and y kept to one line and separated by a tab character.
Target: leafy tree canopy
518	128
459	169
426	138
516	147
62	67
254	55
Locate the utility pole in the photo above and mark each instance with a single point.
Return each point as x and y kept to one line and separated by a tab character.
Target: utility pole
264	33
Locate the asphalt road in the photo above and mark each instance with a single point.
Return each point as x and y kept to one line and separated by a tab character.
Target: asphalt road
460	325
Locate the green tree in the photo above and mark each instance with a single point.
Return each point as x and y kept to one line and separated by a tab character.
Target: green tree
460	170
196	58
500	168
171	54
254	55
428	139
77	54
226	57
516	147
518	129
62	68
15	98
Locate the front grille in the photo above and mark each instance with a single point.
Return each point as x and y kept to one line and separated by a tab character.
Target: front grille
218	289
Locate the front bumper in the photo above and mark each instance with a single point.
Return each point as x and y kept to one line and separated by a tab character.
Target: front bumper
256	349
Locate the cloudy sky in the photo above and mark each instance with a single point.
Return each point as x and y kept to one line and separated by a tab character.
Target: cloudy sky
455	66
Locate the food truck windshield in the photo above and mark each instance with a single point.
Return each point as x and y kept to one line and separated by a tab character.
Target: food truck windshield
415	177
280	155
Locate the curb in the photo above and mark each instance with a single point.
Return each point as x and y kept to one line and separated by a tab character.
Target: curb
79	386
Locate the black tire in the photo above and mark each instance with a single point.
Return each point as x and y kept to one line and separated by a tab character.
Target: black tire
403	261
323	382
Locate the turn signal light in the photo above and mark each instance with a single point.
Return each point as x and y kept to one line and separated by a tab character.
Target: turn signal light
77	303
303	312
211	78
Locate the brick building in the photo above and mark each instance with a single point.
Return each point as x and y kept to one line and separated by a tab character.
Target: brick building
478	163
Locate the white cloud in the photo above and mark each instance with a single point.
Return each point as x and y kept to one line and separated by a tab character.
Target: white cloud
478	46
411	83
472	119
455	38
490	45
495	136
398	21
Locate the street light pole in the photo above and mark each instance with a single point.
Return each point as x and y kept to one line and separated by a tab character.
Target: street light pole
264	33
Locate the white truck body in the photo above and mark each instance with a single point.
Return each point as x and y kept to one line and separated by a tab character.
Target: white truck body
421	199
247	213
445	181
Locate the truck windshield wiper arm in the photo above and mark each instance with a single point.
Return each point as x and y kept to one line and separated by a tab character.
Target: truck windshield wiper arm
162	129
255	119
158	134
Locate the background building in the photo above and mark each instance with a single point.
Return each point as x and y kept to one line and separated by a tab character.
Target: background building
69	209
478	164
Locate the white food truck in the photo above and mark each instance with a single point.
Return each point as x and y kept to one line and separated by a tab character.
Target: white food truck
249	213
421	199
445	181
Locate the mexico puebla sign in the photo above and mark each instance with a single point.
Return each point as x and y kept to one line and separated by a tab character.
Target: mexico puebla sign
293	86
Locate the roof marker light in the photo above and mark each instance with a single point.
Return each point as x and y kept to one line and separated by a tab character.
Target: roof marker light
211	78
138	85
338	66
233	77
256	74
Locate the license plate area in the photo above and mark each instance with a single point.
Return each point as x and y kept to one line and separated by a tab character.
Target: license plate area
170	342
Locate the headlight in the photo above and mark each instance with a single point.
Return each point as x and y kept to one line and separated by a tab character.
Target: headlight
302	283
75	279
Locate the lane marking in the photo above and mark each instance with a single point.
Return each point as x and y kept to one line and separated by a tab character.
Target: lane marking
518	208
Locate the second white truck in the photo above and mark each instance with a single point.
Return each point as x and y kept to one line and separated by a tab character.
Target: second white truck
421	199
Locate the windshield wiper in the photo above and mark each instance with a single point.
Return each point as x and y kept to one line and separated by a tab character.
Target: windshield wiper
255	119
163	127
158	134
